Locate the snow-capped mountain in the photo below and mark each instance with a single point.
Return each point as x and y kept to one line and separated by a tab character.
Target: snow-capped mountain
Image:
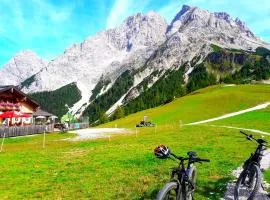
215	27
191	34
104	53
143	44
20	67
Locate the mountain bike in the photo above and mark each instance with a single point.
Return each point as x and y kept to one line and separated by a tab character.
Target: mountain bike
183	179
249	181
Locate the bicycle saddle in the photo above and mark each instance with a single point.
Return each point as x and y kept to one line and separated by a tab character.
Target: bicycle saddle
192	154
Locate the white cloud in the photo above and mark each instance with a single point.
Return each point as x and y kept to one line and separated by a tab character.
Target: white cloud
61	16
55	14
117	13
123	9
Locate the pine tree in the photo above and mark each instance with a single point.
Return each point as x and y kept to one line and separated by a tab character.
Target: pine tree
104	119
119	113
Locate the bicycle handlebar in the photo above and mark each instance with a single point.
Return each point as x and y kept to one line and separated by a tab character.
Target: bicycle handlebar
178	157
190	158
244	133
203	160
250	137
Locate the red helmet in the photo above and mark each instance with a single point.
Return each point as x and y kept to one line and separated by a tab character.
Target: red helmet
162	151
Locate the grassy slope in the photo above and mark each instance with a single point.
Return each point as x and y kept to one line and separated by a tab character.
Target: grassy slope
203	104
125	168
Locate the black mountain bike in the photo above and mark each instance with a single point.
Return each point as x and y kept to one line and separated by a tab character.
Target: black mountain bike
183	179
249	181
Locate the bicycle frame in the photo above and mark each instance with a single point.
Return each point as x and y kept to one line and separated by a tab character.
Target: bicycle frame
250	167
255	157
182	175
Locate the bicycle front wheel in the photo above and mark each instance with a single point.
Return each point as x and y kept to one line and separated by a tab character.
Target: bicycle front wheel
190	189
171	191
248	183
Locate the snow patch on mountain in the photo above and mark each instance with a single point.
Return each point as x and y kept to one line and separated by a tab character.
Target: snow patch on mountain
105	89
117	104
137	80
86	94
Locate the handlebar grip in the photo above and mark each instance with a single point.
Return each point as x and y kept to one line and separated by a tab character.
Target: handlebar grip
204	160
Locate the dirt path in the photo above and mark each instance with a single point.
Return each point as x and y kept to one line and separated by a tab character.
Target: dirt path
93	133
243	129
259	107
265	164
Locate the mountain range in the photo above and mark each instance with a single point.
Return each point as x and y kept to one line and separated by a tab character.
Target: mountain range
141	58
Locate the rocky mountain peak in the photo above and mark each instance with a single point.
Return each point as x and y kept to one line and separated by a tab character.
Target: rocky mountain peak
185	16
195	21
184	9
26	52
23	65
241	24
223	15
138	31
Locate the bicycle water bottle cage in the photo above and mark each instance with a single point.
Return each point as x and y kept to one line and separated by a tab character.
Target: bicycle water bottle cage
192	154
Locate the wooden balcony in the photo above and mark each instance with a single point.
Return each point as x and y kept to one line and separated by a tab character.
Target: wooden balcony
9	106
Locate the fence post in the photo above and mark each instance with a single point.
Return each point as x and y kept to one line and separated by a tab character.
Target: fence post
44	134
180	123
3	142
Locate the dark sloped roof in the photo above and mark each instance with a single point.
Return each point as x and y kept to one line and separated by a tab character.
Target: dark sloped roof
41	112
4	88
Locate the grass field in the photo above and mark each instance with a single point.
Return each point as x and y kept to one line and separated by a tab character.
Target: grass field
125	168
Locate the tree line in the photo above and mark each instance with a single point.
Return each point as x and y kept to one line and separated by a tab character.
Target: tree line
55	101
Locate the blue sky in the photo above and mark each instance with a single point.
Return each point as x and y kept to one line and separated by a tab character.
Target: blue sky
48	27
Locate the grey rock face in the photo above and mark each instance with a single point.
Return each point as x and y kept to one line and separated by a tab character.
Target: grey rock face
20	67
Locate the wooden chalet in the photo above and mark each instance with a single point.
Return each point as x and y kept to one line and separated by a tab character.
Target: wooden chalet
16	108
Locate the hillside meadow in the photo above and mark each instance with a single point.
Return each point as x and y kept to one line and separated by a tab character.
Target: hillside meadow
124	167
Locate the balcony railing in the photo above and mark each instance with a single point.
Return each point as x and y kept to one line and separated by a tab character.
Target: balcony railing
9	106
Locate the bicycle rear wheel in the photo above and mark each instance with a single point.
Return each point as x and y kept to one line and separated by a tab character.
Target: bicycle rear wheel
248	183
171	191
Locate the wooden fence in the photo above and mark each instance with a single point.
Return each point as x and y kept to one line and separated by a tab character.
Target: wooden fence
35	129
75	126
25	130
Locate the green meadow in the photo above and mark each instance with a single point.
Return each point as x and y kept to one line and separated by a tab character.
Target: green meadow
125	167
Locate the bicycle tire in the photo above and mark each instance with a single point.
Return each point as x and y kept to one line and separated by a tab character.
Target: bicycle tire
256	173
163	193
192	178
